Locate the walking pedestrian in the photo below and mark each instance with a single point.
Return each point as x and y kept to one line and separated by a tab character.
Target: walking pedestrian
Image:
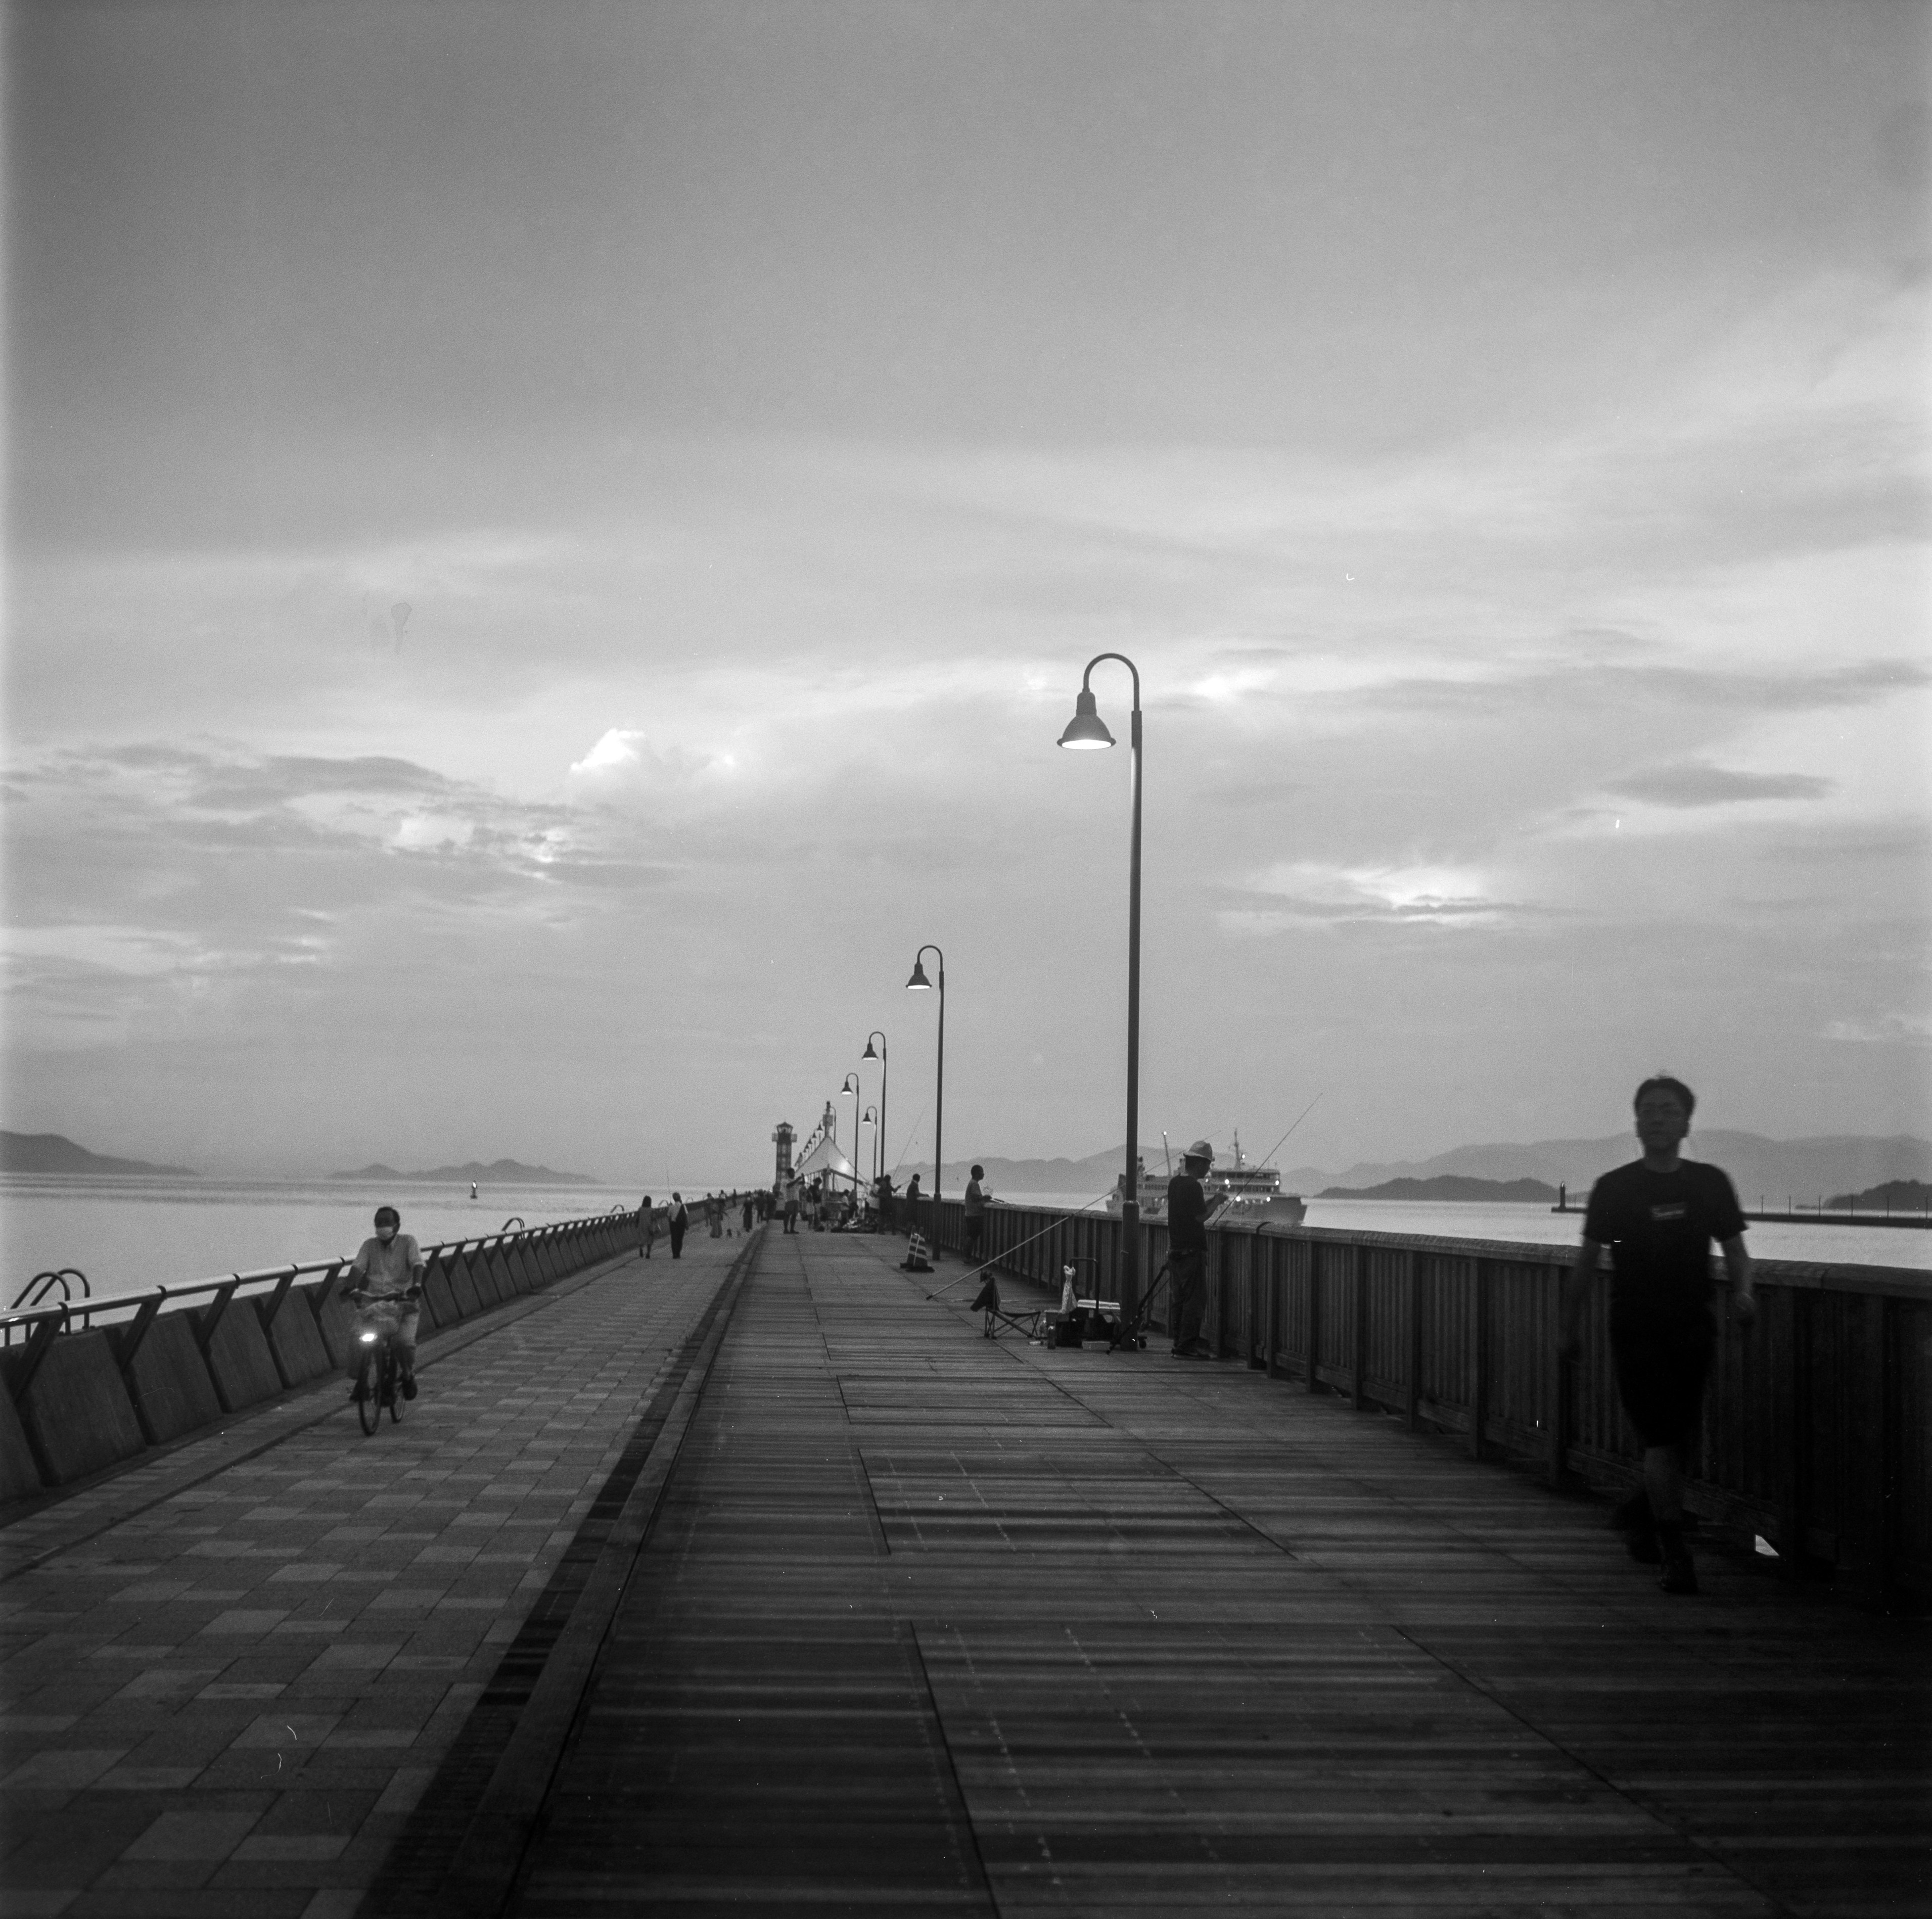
647	1225
1187	1251
791	1206
746	1218
714	1214
1661	1214
679	1223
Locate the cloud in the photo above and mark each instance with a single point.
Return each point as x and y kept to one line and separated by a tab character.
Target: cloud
1309	892
1884	1030
1698	783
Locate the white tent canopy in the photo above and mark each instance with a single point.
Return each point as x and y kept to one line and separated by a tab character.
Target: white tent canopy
826	1161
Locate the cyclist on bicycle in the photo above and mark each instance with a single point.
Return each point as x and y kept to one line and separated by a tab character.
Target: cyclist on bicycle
386	1280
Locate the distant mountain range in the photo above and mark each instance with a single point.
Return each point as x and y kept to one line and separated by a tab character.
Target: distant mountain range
499	1172
52	1153
1448	1185
1772	1169
1899	1195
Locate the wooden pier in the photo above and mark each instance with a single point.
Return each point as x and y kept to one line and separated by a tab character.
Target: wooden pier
764	1583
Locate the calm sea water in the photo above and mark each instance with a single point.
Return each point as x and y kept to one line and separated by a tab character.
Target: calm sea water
1832	1246
126	1234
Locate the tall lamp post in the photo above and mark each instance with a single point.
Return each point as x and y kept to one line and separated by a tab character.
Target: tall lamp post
919	983
1086	729
871	1117
879	1138
851	1086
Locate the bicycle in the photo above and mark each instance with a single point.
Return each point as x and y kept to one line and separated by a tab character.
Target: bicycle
378	1378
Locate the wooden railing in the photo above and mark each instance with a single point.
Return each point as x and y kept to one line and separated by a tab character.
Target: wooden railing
1817	1428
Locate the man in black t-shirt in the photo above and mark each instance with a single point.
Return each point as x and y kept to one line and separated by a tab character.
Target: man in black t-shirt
1660	1214
1187	1250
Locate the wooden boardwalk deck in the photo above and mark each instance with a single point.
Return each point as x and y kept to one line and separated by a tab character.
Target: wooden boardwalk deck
927	1624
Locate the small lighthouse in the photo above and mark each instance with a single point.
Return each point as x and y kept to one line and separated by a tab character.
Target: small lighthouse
783	1136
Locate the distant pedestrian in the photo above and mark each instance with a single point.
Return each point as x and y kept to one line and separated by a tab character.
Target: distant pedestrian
1660	1214
714	1214
647	1225
1187	1251
975	1241
884	1203
747	1217
679	1223
791	1206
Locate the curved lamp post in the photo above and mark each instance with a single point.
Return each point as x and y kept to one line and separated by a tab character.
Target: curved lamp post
919	983
879	1138
1086	729
851	1086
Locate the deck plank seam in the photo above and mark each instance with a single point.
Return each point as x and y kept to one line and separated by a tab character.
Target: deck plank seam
1629	1795
490	1858
1025	1358
933	1722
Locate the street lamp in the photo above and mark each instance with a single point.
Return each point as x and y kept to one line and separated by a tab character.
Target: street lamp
1088	731
851	1086
871	1116
919	983
879	1139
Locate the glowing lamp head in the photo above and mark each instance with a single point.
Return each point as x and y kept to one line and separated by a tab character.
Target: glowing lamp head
919	983
1086	729
868	1054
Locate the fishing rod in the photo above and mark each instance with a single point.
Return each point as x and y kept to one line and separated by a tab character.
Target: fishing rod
971	1271
910	1137
1283	1141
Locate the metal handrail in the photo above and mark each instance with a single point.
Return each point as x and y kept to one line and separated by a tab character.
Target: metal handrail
42	1284
81	1315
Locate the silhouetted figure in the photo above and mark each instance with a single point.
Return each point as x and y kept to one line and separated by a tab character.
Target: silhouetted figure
1661	1214
1187	1251
974	1243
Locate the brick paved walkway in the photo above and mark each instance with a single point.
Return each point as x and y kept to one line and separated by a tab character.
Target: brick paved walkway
229	1677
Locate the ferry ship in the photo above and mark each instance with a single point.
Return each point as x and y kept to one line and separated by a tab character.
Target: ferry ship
1237	1194
1252	1194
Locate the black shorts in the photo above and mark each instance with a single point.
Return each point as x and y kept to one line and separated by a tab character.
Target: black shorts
1661	1368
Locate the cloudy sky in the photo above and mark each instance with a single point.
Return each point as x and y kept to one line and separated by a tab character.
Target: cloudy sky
549	549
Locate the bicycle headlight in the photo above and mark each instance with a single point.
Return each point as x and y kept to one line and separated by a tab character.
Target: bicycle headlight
368	1338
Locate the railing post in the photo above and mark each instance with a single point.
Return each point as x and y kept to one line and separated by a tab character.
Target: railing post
1411	1293
1358	1285
1562	1394
1793	1516
40	1344
1314	1310
1479	1383
1890	1450
209	1317
136	1330
272	1305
